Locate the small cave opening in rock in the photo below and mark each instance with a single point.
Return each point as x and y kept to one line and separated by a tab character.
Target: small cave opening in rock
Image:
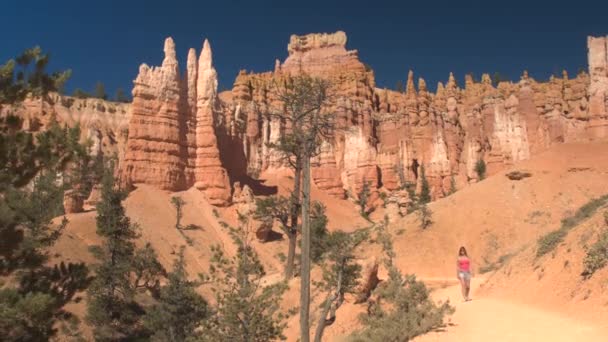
415	166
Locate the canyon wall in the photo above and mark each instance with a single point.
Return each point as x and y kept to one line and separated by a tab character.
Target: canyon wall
104	123
182	133
388	136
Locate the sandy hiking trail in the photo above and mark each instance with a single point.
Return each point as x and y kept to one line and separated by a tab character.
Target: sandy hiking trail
492	319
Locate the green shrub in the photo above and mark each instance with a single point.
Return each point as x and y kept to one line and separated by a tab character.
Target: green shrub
549	241
597	256
480	169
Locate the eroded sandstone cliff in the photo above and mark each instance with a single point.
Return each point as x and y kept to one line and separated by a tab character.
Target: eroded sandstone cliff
182	133
387	135
172	140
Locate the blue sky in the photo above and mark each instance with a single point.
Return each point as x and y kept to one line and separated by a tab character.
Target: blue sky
107	40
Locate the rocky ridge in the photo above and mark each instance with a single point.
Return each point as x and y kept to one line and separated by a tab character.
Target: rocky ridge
182	133
389	135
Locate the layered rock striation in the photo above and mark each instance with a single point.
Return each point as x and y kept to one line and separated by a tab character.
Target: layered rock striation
172	141
182	133
387	136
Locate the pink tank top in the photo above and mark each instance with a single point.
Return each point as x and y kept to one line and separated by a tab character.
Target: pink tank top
464	264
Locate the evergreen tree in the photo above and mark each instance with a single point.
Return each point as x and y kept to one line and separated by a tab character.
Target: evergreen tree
100	91
480	169
180	310
246	310
178	203
26	317
340	275
319	235
279	208
403	308
425	191
26	228
453	188
147	269
362	198
80	94
27	74
121	96
112	310
30	304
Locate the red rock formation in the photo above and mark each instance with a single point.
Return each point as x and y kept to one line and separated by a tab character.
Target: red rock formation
209	174
182	133
598	87
172	141
154	154
72	202
387	135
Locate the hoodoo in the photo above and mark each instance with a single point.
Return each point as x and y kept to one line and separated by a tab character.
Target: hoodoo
172	141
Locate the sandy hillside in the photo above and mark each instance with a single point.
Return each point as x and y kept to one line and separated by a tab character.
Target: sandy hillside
525	299
495	217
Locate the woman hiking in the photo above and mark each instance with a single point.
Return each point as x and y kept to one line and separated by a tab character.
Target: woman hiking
463	272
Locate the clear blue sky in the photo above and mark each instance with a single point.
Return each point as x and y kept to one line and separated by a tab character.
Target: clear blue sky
107	40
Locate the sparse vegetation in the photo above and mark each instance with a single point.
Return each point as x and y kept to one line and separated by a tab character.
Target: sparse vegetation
425	215
425	190
27	74
340	276
303	107
178	203
480	169
362	198
180	310
279	208
549	241
453	188
597	255
245	310
403	308
497	78
492	266
112	309
100	91
121	96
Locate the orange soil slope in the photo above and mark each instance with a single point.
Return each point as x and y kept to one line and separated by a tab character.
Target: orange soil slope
492	218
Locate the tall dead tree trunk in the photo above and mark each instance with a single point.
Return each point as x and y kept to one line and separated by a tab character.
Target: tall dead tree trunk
293	228
305	257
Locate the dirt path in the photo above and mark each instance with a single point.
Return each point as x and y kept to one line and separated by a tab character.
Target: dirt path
489	319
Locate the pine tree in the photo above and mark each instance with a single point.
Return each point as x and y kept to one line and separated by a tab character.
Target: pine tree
180	310
111	309
27	74
362	198
453	188
178	203
425	191
121	96
279	208
80	94
403	308
480	169
246	310
100	91
319	235
340	275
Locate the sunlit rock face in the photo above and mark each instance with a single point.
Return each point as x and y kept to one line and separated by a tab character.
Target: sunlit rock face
172	141
182	133
386	136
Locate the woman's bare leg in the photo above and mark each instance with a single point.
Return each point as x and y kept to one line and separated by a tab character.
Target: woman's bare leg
468	288
463	288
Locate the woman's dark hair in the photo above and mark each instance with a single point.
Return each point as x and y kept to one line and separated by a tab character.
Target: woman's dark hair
463	251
